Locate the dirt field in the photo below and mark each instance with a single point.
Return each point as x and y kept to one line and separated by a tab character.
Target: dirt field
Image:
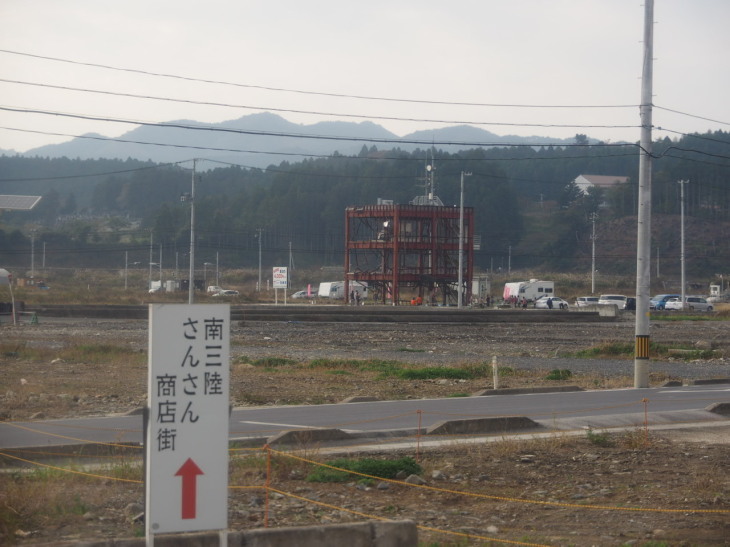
618	488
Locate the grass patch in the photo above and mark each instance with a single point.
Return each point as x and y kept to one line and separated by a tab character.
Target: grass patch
411	350
347	469
559	374
273	362
601	438
682	317
625	350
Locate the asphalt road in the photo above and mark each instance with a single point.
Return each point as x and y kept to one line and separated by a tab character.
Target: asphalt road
596	409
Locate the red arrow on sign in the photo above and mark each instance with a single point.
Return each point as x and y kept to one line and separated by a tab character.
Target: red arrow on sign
189	472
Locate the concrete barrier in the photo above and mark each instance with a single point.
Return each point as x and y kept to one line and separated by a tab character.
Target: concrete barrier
709	381
525	390
307	436
388	533
482	425
723	409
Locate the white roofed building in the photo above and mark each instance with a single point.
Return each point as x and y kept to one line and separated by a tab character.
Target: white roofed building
599	181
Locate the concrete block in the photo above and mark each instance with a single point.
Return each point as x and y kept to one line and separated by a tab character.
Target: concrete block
308	436
709	381
482	425
723	409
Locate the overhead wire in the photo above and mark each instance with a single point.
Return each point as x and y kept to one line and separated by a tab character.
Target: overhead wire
301	91
309	112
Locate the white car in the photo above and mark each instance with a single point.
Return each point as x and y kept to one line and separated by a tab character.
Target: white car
583	301
303	294
618	299
693	303
226	292
551	303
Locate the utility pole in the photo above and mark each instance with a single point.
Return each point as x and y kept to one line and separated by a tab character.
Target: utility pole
509	259
460	286
32	257
149	281
594	216
643	238
259	230
684	284
191	275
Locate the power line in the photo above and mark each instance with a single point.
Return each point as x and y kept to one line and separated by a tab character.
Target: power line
301	91
691	115
308	112
291	135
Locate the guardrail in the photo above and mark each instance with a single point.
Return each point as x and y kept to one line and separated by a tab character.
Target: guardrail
356	314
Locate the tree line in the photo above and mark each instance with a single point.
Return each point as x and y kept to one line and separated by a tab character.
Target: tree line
93	210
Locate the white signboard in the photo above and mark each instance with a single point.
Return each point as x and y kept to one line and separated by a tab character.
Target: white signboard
280	278
187	430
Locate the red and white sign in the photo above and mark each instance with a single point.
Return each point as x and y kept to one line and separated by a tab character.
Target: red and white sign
280	278
187	429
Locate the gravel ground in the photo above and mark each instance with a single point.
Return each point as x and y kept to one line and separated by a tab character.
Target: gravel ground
667	488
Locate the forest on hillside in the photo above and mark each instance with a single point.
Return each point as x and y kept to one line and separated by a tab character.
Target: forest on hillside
528	212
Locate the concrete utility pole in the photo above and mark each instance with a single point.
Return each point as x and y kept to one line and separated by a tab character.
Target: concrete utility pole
460	287
191	275
149	279
594	216
643	248
258	232
684	284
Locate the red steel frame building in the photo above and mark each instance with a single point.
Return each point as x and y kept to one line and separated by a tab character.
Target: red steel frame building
413	246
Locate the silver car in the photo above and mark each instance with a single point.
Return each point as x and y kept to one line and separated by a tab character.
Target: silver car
583	301
692	303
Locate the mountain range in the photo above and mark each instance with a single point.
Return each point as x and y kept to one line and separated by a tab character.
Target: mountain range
260	140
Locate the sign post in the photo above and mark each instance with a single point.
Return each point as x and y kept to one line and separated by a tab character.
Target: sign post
280	280
186	442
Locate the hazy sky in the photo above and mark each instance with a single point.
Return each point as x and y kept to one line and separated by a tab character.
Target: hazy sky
321	60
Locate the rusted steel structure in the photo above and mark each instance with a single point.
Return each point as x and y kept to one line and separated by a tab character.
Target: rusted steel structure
409	250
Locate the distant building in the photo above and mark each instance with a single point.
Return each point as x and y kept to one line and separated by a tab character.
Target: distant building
584	182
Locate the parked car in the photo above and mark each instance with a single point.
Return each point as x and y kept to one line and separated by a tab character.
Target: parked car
226	292
657	302
214	289
618	299
551	303
693	303
583	301
303	294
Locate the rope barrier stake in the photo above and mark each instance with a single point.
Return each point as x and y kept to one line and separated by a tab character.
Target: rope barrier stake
418	436
268	485
495	372
646	421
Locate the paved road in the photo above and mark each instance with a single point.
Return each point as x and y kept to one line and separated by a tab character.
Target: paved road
606	408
